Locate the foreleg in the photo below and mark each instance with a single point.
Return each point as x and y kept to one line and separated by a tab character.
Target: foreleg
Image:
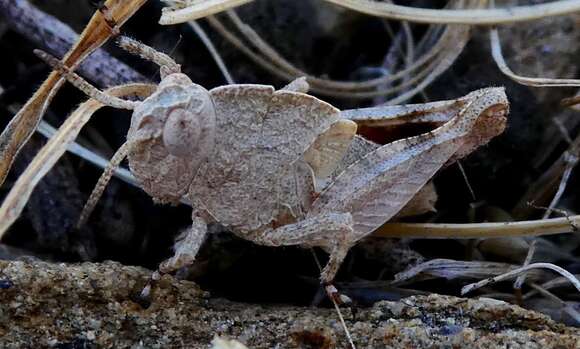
186	247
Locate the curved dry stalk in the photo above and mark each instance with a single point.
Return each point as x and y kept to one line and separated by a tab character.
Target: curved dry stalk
446	61
53	150
436	60
530	255
479	230
398	12
535	82
518	271
104	23
283	67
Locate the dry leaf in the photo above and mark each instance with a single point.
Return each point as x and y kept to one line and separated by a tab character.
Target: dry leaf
16	200
97	31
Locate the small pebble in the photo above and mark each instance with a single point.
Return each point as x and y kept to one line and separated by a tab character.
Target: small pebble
6	284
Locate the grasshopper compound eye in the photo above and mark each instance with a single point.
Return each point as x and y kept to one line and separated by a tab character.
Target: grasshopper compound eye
190	130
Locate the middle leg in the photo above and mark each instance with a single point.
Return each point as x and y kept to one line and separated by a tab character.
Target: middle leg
333	232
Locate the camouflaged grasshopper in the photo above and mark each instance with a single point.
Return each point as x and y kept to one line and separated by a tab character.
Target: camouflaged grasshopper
283	167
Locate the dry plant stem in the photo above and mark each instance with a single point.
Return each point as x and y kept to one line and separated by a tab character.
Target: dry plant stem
522	278
278	65
398	12
536	82
53	150
479	230
544	187
442	65
101	27
515	272
437	59
547	294
571	161
571	101
212	51
200	9
452	269
50	34
125	175
554	283
570	310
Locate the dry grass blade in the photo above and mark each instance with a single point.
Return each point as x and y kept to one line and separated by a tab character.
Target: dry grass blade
99	161
550	182
536	82
519	271
479	230
452	269
197	10
522	278
554	283
101	27
387	10
53	150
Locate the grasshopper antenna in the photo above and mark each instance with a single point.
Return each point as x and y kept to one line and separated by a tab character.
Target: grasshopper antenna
116	160
165	62
84	85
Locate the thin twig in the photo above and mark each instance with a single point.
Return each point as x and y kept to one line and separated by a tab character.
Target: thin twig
554	283
49	154
50	34
516	272
571	161
212	51
543	188
522	278
538	227
101	162
466	180
103	24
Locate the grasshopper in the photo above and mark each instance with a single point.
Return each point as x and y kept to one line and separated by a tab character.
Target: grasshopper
283	167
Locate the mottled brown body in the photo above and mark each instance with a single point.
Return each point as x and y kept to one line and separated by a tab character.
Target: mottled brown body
283	167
